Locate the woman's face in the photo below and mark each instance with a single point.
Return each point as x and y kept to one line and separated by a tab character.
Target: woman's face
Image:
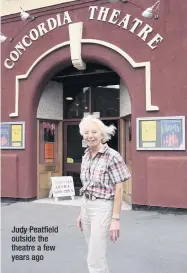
92	135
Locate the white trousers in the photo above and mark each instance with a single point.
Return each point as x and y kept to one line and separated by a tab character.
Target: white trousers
96	218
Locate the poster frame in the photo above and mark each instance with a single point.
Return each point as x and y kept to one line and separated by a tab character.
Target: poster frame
138	120
23	135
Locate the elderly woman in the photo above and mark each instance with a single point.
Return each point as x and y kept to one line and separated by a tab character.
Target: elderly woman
103	172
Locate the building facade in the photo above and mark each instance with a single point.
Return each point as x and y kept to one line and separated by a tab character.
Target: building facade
102	57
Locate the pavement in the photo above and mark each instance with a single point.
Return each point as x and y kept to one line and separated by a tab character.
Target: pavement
150	242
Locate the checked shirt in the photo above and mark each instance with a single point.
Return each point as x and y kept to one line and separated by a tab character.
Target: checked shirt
100	174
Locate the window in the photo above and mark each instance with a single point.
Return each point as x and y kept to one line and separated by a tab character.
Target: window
48	142
76	102
102	99
105	100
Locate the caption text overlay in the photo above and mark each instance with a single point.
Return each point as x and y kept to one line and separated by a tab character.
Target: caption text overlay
30	243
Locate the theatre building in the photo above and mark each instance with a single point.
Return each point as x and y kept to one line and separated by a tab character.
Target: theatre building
122	62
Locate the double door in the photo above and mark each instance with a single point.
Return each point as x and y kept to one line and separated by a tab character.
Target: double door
61	147
73	152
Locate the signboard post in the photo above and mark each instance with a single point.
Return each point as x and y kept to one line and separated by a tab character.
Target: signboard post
160	133
62	186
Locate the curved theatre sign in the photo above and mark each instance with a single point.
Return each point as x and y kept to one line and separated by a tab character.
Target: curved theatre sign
111	16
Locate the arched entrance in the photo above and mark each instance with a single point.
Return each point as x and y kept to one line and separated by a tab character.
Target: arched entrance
32	85
66	99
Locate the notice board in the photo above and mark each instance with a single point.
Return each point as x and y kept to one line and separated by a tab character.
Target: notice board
12	135
160	133
62	186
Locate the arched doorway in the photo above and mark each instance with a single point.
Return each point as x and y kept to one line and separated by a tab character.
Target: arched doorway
66	99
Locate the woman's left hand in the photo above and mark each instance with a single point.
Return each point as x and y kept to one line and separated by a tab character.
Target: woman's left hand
114	230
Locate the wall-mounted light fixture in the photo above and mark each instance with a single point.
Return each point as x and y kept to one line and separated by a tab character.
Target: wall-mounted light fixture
25	15
150	13
3	38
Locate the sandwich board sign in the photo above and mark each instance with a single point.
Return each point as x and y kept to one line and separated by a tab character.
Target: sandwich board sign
62	186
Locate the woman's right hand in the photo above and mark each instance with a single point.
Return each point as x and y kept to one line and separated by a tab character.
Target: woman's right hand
79	223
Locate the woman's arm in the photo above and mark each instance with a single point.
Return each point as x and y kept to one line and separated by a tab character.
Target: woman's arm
119	173
117	201
115	223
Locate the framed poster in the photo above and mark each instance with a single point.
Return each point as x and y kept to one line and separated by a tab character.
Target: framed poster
12	135
160	133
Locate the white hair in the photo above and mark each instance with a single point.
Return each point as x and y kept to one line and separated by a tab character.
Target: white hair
107	131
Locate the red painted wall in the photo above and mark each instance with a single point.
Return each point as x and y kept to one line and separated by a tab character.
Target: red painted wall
159	178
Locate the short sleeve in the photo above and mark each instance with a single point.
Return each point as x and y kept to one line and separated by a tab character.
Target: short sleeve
118	170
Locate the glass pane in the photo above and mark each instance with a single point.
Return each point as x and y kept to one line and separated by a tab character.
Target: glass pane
49	132
113	142
48	144
74	144
105	99
76	102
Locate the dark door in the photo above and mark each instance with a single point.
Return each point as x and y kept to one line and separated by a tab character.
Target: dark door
73	152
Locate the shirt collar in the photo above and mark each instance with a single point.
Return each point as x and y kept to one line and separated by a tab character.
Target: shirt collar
102	150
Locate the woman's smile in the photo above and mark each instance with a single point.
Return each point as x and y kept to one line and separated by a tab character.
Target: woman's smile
91	142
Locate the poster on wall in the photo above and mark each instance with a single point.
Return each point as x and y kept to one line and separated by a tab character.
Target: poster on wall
5	133
12	135
171	135
160	133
